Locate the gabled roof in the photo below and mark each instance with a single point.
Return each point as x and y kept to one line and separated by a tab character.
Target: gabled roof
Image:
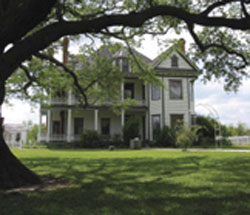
14	128
105	53
124	53
163	56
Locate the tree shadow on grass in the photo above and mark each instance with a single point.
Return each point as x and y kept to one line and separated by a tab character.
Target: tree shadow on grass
133	186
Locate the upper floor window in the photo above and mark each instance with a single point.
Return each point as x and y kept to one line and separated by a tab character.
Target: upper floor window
156	92
129	90
61	93
143	92
175	89
125	66
174	61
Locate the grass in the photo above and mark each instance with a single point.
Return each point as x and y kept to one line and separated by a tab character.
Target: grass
136	183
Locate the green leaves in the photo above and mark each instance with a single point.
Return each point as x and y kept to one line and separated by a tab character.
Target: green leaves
226	56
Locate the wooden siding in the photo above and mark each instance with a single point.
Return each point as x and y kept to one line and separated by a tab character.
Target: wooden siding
182	64
177	106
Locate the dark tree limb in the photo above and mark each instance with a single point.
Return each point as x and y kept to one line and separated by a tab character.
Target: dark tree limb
215	5
204	48
81	90
244	9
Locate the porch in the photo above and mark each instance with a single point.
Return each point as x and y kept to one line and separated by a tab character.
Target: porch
66	125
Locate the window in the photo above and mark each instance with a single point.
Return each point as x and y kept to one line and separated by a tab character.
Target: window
176	119
156	123
129	90
125	67
174	61
61	94
175	89
193	119
56	127
156	92
78	125
18	137
105	126
143	92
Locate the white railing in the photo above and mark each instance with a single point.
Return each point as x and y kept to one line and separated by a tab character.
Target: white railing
58	101
58	138
141	102
42	137
240	140
75	138
73	100
15	144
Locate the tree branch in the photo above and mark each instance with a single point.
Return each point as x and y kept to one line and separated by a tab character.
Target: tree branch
69	71
215	5
43	38
30	82
244	8
203	47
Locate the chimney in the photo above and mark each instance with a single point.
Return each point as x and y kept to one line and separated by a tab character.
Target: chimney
182	45
65	49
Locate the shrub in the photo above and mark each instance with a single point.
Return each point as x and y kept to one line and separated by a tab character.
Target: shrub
186	136
165	137
131	129
90	138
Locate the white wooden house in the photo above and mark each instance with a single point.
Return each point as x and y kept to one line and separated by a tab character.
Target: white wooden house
156	106
15	135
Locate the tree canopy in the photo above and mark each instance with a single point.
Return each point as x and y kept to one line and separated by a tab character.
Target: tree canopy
30	30
219	29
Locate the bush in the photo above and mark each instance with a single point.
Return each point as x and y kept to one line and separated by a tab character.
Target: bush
165	137
90	139
131	129
185	137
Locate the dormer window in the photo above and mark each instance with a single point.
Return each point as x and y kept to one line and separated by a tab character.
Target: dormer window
125	67
174	61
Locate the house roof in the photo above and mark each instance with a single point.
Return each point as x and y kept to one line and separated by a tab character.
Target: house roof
105	53
124	53
14	128
163	56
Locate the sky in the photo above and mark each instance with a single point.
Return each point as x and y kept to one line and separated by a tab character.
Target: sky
210	98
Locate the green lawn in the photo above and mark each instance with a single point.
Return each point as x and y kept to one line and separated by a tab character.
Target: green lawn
135	183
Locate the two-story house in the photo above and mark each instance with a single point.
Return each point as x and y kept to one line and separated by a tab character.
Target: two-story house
156	106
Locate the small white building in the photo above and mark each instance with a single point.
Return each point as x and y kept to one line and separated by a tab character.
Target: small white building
156	106
15	135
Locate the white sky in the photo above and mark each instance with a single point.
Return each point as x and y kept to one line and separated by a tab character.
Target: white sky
231	107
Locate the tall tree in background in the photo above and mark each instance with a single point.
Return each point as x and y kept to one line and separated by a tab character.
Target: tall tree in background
220	30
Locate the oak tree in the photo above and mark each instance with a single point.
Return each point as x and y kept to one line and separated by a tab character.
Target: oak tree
219	28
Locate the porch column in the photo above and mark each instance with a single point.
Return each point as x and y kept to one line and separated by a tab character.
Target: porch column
96	119
48	126
122	91
69	125
70	102
122	111
147	135
122	118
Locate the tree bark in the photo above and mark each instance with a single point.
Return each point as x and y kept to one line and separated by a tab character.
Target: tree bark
12	172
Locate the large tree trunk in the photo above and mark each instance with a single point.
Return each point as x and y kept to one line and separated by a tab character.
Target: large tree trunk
12	172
